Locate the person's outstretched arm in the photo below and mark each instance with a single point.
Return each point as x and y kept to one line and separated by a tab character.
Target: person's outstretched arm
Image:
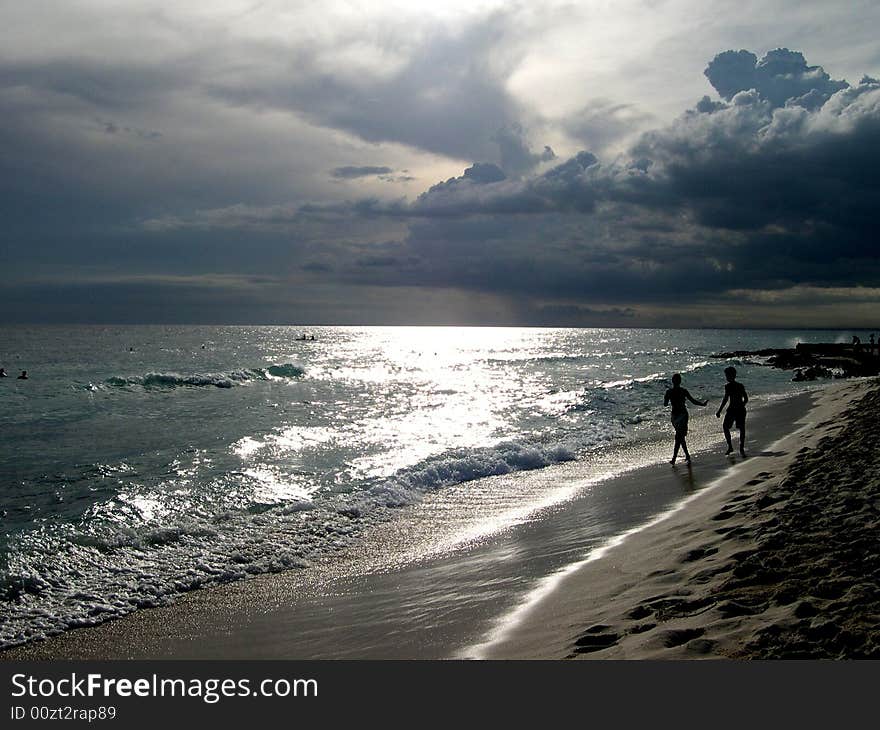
666	399
721	407
695	402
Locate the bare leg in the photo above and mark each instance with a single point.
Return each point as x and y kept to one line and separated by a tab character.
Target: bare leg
678	443
742	440
727	438
684	447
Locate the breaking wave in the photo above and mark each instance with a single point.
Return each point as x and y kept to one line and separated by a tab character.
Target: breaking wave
82	577
203	380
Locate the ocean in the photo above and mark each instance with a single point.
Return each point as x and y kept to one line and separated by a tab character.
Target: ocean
138	463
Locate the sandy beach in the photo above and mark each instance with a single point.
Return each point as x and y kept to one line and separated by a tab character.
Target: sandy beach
770	556
778	560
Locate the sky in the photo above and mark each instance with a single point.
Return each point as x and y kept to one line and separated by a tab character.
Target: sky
542	163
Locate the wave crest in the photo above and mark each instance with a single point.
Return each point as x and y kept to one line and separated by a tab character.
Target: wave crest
155	380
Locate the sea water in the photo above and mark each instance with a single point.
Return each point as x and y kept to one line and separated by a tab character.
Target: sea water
141	462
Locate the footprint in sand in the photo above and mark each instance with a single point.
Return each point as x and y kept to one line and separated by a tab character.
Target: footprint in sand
701	646
677	637
595	642
704	576
767	500
732	609
639	612
761	477
698	554
736	533
667	608
742	555
642	628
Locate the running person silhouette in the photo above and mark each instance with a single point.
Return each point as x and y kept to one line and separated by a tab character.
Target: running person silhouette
734	392
677	396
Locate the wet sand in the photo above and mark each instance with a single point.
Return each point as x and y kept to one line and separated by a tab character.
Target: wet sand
431	598
780	559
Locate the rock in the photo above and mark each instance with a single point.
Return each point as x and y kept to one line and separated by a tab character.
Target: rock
816	360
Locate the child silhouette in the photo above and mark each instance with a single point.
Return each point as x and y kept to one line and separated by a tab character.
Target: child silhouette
734	392
678	397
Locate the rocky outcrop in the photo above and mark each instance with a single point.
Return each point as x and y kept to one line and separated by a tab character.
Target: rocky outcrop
811	361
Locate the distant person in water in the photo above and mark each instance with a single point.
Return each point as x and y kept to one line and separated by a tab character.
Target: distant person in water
677	396
23	375
3	373
735	393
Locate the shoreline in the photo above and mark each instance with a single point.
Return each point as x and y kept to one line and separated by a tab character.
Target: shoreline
316	614
745	571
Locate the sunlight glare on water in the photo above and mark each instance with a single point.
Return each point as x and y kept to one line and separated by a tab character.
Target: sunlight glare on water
187	456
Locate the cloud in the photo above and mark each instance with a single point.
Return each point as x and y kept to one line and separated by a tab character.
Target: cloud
780	77
755	194
810	295
443	90
480	173
398	178
732	196
350	172
769	186
114	128
604	123
574	315
485	189
516	157
772	171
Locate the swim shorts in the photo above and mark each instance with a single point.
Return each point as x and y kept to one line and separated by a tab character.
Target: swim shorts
680	423
735	416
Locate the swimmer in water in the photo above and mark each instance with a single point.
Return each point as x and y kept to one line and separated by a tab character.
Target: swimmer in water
23	375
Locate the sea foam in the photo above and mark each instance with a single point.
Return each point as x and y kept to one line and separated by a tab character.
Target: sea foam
154	380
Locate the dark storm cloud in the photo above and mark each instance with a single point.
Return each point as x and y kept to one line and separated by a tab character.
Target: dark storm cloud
444	91
485	189
757	168
480	173
76	156
770	187
741	166
573	315
547	257
748	194
780	77
742	195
